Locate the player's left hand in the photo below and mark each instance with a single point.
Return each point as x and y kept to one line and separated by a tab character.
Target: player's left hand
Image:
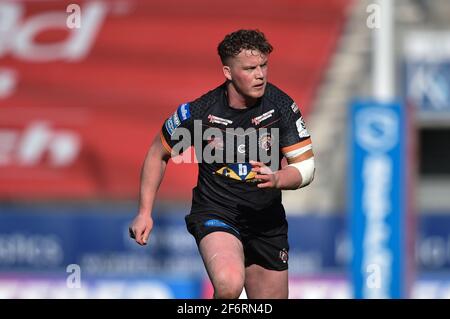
268	179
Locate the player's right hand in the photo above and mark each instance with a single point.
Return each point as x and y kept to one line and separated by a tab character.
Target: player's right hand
140	228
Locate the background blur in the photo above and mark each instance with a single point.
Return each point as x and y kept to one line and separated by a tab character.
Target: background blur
79	108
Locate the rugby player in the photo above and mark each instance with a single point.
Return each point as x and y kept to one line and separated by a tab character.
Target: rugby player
237	217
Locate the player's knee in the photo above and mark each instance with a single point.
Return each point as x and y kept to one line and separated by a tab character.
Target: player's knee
228	291
228	285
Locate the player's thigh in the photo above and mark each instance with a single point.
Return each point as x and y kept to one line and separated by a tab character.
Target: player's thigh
261	283
223	256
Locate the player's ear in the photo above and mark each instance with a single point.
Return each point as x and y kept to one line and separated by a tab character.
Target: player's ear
227	72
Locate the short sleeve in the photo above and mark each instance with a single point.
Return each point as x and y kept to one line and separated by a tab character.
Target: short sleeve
178	127
295	141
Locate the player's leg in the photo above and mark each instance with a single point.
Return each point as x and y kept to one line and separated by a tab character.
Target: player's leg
266	261
261	283
223	257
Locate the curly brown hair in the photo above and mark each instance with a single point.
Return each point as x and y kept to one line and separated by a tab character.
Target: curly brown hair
237	41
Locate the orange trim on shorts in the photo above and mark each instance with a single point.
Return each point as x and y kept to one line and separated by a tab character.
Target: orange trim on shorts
301	144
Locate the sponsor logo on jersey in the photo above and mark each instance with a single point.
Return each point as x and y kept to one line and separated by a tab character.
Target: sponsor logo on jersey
265	141
170	128
301	128
294	108
176	119
180	115
219	120
238	171
184	112
263	117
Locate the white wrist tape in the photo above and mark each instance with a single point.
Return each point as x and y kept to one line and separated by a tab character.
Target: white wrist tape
306	169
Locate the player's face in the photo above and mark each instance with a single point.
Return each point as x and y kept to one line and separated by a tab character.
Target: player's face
248	73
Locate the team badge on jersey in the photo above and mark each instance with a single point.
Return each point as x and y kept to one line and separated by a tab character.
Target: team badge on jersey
301	128
284	255
265	141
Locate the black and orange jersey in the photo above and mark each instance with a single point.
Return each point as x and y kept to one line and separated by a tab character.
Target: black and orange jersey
225	139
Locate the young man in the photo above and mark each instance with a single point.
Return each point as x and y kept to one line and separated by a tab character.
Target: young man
241	130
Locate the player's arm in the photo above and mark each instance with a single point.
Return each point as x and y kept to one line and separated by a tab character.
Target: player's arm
152	173
288	178
301	167
299	172
153	169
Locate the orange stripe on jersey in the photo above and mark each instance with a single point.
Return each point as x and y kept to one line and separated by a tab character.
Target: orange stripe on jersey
164	143
287	149
301	157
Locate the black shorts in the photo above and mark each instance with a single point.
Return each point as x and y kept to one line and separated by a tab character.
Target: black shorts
263	234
